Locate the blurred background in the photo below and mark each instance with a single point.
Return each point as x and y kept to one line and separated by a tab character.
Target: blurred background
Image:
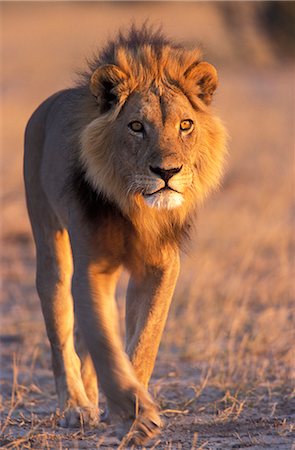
233	312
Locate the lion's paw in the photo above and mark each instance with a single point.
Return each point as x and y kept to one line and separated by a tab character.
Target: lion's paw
140	431
78	416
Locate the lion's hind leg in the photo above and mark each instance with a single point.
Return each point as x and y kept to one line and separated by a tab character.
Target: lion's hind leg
54	275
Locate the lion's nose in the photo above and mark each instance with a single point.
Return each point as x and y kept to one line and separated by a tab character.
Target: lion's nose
165	174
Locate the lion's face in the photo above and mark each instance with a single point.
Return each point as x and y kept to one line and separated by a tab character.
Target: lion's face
157	140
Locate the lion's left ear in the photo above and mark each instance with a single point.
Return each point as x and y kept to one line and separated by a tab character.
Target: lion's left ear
205	76
104	85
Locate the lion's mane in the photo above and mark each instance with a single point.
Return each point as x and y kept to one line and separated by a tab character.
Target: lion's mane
148	59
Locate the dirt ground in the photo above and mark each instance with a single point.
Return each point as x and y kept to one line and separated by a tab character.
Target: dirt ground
223	377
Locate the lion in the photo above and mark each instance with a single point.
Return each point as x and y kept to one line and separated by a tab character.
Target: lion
115	169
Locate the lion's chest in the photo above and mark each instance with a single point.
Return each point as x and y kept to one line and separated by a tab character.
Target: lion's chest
120	244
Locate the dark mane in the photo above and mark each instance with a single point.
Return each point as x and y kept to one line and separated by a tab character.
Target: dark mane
136	37
95	205
131	40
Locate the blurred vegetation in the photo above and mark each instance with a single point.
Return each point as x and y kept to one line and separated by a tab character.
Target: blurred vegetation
278	20
275	20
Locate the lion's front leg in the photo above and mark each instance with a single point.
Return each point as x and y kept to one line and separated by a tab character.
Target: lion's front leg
148	300
88	373
94	282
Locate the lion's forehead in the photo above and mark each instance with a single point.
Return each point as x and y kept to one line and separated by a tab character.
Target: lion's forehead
168	107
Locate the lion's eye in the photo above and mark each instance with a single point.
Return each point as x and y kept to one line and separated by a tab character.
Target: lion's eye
136	126
186	125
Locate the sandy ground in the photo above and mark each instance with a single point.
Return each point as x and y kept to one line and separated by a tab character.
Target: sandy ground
224	373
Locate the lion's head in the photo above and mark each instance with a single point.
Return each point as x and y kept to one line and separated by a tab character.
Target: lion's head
154	145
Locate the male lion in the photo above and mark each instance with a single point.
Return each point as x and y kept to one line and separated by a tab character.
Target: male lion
114	170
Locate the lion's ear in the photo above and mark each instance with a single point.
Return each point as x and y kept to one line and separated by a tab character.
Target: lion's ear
205	76
104	84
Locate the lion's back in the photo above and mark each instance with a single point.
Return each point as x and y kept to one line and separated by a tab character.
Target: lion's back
47	146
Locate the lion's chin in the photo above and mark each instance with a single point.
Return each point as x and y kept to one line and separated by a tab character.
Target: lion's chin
164	200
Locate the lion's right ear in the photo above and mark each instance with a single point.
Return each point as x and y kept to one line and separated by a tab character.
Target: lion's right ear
104	84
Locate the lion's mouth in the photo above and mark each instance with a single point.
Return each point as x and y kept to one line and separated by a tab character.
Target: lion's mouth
163	189
164	198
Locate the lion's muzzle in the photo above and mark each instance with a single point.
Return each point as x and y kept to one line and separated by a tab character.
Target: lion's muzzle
165	174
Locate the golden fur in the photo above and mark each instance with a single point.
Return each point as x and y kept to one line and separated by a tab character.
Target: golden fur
129	200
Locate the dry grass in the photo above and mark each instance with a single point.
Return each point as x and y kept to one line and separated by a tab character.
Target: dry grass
224	372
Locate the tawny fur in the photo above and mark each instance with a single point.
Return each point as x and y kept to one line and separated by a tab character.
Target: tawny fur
97	203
